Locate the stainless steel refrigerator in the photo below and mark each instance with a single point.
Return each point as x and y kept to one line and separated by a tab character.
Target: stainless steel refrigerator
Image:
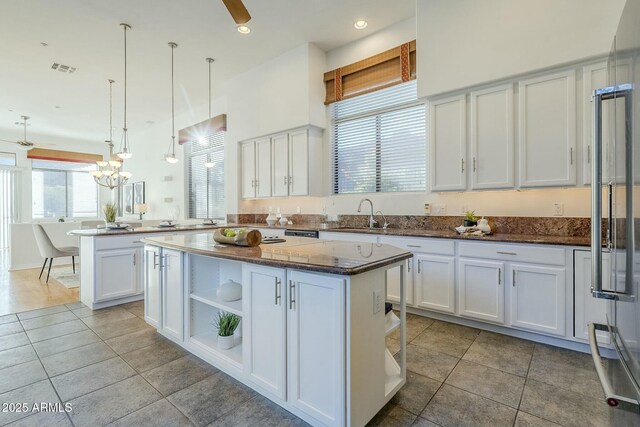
616	198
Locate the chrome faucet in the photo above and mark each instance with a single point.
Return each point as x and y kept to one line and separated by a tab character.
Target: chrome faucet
372	220
384	227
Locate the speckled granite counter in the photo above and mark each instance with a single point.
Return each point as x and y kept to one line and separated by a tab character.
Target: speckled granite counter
327	256
96	232
444	234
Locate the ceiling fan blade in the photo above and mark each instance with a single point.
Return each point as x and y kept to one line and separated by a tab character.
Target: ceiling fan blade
238	12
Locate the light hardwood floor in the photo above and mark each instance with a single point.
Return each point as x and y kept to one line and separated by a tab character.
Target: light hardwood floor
22	290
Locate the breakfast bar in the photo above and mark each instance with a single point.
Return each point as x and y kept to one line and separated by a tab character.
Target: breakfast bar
314	322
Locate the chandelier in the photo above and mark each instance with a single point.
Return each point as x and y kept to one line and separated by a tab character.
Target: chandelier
109	174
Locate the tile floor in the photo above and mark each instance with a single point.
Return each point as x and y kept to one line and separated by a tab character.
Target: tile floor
116	370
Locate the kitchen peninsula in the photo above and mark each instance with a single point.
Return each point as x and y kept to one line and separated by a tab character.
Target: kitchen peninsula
312	337
111	271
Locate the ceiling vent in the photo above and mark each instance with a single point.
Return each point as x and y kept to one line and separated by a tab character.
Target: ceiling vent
63	68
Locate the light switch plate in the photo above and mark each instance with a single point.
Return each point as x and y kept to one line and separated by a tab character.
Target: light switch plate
378	301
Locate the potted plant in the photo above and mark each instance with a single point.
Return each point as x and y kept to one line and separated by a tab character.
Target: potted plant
110	211
226	324
470	219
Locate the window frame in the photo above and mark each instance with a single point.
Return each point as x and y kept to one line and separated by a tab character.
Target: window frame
375	114
66	194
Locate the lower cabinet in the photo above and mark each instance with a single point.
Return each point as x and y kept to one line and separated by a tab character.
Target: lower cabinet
538	298
435	282
587	308
265	339
117	274
393	282
481	289
172	294
164	292
152	287
294	345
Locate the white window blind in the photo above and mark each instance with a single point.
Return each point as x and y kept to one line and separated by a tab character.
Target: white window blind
205	186
379	142
8	203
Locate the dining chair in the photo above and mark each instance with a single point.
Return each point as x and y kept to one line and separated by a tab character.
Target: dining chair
48	250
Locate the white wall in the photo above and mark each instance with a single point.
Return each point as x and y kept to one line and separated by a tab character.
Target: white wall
24	191
463	43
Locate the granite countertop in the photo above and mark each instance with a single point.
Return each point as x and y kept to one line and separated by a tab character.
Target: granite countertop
97	232
442	234
327	256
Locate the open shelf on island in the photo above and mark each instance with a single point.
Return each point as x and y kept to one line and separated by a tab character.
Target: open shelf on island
393	372
393	322
209	297
209	342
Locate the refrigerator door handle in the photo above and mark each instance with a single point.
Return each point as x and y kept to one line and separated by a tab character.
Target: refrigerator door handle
600	95
612	399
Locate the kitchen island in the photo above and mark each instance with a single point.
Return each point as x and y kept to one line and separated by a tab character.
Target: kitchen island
312	336
111	271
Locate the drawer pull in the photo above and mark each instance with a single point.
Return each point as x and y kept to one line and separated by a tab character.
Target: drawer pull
414	246
506	253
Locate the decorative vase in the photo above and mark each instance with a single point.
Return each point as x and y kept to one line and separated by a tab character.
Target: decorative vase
229	291
225	343
271	219
483	225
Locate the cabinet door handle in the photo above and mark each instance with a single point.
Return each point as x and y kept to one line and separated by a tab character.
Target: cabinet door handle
589	153
474	164
134	258
285	180
252	183
506	253
461	165
292	291
155	260
499	276
277	291
409	266
290	180
571	154
513	281
419	266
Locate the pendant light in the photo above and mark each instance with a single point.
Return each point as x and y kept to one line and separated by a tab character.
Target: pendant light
209	164
108	173
170	157
125	149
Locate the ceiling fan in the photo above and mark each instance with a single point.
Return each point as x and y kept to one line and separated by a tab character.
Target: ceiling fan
24	143
238	12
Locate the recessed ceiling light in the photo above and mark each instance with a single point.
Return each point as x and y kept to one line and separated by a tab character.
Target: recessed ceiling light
43	44
150	122
58	107
360	24
243	29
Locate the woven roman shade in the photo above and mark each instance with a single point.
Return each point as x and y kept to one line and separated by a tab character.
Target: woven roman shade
62	156
394	66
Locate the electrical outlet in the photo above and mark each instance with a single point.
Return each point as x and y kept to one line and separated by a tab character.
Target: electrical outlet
440	209
378	301
427	209
297	209
558	209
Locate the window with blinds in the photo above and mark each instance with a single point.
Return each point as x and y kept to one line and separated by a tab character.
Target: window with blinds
379	142
205	185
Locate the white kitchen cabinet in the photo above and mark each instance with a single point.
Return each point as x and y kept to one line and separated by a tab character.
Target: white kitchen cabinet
280	165
588	309
172	294
435	282
316	340
256	168
448	144
538	298
299	163
263	167
547	130
248	160
153	289
117	274
481	289
265	343
492	140
595	76
393	282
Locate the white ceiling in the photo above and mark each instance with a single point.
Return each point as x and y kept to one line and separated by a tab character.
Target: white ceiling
86	34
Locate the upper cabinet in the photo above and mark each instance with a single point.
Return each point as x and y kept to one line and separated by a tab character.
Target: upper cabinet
547	130
491	135
281	165
448	141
